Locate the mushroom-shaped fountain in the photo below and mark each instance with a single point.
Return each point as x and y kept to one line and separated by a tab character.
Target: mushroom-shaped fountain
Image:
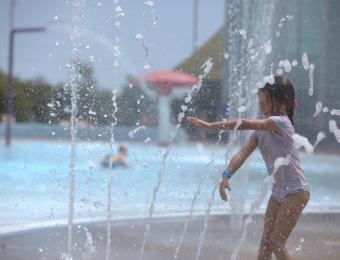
166	85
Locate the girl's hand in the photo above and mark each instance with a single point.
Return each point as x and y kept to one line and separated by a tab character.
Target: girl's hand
197	122
224	184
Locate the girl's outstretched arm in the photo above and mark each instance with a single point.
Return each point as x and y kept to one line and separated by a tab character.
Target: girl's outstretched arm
235	163
265	124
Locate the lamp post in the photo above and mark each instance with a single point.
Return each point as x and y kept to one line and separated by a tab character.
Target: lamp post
195	25
9	96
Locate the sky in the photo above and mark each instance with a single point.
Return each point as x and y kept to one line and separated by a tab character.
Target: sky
166	42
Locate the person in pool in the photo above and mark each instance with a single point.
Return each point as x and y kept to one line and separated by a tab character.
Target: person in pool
273	134
118	160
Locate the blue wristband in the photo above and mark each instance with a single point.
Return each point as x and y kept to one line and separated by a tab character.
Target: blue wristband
227	172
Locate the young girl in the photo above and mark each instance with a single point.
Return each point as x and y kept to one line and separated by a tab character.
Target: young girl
274	136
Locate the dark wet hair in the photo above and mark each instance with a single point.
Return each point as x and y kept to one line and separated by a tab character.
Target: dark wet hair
122	149
281	92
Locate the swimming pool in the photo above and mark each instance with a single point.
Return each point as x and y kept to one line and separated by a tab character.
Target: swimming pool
34	182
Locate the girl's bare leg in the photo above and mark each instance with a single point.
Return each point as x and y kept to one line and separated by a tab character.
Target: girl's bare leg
286	219
265	252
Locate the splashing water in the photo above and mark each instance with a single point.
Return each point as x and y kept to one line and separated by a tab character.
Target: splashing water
301	141
140	38
151	5
133	132
110	178
335	112
207	66
286	65
318	108
335	130
245	67
152	206
299	246
267	47
305	62
243	33
76	35
268	79
89	246
207	215
197	192
238	124
206	221
116	49
319	138
281	161
311	79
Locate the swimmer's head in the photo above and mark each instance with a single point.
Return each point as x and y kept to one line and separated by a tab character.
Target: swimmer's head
122	149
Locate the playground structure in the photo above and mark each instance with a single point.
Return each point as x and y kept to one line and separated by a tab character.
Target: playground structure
165	85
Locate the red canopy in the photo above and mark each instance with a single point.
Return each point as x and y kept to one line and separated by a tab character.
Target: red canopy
165	81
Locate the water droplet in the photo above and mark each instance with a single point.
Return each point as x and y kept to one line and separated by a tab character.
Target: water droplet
267	47
298	248
139	36
119	11
149	2
279	71
116	51
243	33
184	108
269	79
305	62
286	65
335	112
241	109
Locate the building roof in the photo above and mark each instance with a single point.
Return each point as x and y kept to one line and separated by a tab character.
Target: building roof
213	48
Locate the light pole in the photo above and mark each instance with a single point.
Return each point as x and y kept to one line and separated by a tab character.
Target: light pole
195	25
9	96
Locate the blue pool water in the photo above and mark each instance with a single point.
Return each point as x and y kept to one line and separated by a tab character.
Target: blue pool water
34	182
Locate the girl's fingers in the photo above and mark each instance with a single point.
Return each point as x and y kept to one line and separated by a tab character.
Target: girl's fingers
190	119
223	195
228	186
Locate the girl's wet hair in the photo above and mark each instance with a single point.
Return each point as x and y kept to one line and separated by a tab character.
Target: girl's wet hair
281	92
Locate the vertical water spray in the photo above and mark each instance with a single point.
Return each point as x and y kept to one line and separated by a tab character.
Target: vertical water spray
207	216
197	192
77	19
207	66
249	23
206	221
110	178
116	53
280	161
